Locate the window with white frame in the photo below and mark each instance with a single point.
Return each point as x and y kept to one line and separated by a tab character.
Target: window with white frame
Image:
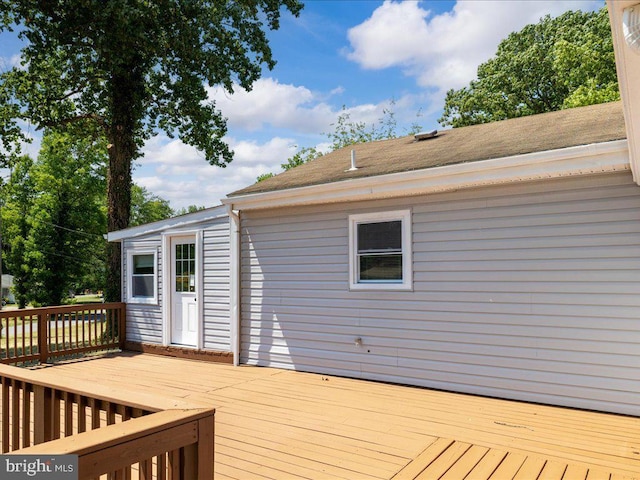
380	251
143	280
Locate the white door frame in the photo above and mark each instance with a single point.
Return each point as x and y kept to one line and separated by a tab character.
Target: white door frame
167	259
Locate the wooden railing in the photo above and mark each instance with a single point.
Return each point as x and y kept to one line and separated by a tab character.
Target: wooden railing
141	436
42	334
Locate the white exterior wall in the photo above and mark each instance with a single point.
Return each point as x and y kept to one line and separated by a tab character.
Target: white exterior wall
145	321
217	308
527	291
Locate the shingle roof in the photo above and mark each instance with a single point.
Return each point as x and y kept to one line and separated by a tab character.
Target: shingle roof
535	133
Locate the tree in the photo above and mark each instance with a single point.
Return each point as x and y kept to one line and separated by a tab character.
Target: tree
64	248
147	207
132	68
189	209
17	198
556	63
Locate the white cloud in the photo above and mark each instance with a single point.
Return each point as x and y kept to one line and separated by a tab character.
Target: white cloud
273	104
178	172
7	63
443	51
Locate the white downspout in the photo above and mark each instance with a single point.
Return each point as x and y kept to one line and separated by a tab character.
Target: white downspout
234	281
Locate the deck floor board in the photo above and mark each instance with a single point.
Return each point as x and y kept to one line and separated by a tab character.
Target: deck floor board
280	424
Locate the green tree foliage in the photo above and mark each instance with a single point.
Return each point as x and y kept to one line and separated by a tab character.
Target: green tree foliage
557	63
189	209
65	248
17	198
147	207
54	218
133	68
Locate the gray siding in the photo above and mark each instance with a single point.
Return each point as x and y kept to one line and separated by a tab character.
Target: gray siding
217	309
144	322
526	291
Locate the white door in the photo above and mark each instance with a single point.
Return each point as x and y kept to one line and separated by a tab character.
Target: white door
184	311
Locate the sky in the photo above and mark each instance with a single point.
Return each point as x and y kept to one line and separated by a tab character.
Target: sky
363	56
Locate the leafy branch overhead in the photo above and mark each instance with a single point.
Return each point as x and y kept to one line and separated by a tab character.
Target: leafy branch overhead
133	68
561	62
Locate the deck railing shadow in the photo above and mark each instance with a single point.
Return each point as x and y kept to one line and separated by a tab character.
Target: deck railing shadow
39	335
137	437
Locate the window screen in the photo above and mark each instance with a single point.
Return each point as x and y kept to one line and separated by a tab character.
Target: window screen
380	256
379	251
143	275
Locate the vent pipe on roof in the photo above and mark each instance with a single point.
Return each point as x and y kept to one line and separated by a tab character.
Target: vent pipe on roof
425	135
353	161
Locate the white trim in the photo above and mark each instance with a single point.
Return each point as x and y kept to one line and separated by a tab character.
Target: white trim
166	289
234	283
628	69
167	259
200	286
407	257
572	161
129	283
181	221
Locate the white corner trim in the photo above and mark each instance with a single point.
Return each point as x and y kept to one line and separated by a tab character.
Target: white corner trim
166	286
572	161
234	283
628	69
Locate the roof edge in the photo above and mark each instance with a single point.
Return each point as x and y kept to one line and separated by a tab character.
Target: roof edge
580	160
181	221
628	69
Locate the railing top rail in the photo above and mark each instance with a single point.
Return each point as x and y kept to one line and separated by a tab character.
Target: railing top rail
59	309
87	442
121	445
46	377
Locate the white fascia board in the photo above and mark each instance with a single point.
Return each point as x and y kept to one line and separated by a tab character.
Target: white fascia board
628	69
181	221
572	161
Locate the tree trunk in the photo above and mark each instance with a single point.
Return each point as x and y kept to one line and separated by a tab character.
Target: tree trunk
122	151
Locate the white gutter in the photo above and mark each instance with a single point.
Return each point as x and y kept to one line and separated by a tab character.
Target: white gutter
581	160
234	282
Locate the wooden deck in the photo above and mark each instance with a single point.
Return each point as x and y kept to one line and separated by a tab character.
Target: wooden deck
278	424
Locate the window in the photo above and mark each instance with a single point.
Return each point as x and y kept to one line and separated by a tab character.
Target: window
142	277
380	251
185	267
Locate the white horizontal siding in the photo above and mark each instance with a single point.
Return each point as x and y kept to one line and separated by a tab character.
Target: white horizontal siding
216	261
144	322
527	291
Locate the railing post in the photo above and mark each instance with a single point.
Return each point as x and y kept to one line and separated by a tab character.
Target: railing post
122	325
197	458
43	336
206	447
42	415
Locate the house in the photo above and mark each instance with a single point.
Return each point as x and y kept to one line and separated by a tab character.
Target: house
499	259
6	287
176	285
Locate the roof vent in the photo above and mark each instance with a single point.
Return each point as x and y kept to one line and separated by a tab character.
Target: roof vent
425	135
353	162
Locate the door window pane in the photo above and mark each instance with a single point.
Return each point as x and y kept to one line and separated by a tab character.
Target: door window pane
185	267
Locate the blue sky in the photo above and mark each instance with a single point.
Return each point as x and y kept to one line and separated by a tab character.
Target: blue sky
360	54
